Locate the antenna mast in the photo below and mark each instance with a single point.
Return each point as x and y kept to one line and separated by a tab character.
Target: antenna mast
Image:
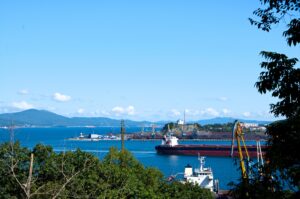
184	117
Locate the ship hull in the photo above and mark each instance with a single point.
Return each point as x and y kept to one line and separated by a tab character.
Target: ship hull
206	150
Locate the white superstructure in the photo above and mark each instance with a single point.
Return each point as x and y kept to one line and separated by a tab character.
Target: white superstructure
170	140
201	176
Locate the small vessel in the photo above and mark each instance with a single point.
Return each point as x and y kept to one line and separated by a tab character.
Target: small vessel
90	137
170	146
202	176
94	137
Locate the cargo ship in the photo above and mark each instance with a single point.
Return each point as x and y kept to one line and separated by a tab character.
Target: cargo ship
170	146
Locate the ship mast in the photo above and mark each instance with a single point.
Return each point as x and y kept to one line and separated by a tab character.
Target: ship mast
202	162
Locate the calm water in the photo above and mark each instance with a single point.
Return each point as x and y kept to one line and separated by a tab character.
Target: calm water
224	168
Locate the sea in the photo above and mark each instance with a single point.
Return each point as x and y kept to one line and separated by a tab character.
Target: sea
225	169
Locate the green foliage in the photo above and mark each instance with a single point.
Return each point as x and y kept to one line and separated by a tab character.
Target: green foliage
186	191
275	11
280	176
292	34
283	80
258	189
81	175
169	126
197	127
283	156
217	127
12	155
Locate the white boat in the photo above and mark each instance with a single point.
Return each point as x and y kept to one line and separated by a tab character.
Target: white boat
90	137
202	176
94	137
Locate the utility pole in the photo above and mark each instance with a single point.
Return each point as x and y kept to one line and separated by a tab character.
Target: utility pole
12	133
122	135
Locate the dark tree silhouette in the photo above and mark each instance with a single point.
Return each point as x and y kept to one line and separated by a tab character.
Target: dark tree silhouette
283	80
280	177
275	11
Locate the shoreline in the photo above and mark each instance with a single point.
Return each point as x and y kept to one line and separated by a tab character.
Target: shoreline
199	139
145	140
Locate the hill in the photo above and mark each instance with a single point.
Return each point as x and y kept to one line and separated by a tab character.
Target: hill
33	117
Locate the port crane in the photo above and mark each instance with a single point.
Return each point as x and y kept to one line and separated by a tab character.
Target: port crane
238	135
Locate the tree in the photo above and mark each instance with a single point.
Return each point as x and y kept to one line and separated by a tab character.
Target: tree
280	177
276	11
51	175
82	175
283	80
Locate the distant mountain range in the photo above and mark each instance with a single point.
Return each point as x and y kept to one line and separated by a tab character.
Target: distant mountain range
224	120
42	118
33	117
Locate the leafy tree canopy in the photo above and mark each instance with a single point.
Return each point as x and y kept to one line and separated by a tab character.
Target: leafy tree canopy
82	175
279	178
274	11
283	80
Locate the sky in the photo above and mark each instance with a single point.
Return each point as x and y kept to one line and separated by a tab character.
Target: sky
141	60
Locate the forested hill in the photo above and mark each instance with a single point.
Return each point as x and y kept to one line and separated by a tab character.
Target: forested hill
41	118
33	117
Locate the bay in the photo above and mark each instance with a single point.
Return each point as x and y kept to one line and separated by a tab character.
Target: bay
224	168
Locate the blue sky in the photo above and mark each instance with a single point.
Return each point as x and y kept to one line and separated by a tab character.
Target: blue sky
142	60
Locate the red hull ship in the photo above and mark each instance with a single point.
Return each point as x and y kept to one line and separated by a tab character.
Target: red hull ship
170	146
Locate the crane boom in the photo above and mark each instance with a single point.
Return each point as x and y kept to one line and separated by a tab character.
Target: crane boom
237	134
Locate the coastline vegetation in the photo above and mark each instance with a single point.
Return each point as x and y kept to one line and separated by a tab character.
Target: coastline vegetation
42	173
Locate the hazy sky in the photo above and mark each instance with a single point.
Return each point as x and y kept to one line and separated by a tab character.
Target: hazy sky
140	60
